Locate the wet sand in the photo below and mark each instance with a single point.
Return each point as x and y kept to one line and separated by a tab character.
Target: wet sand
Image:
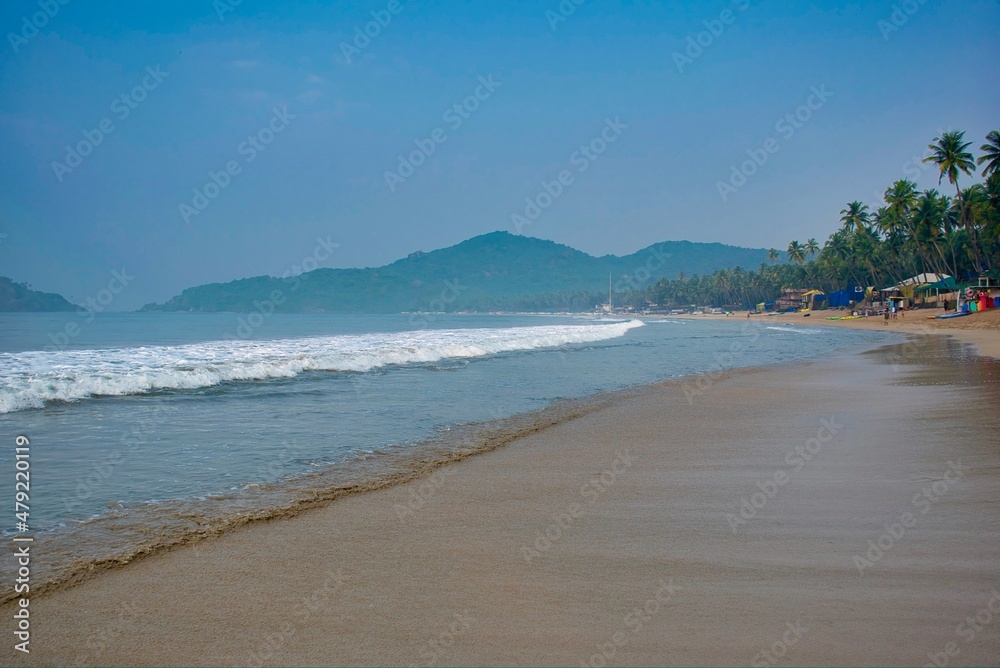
979	329
685	523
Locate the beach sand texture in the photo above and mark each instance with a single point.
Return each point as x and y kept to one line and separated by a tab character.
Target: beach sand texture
980	329
617	537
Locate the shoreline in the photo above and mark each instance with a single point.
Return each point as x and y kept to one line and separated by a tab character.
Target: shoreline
129	532
616	549
981	330
288	497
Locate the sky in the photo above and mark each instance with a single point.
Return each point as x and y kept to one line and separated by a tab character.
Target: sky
190	142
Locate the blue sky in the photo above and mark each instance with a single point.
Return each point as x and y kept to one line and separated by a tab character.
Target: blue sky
310	134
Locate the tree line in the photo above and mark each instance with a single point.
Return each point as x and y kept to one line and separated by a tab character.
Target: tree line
907	233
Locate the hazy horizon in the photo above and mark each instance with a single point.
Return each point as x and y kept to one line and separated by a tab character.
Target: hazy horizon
299	120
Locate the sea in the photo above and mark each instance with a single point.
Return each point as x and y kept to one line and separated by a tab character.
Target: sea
148	430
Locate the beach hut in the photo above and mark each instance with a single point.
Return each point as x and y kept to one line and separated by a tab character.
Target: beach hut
793	299
904	291
812	298
946	284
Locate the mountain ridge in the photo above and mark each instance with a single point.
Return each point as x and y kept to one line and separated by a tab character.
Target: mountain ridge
493	271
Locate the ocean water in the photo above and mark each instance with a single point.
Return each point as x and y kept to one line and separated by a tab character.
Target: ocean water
152	429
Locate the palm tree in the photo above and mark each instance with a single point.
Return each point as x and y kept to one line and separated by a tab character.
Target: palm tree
928	229
840	251
975	202
901	198
991	153
854	216
910	232
811	247
949	153
796	253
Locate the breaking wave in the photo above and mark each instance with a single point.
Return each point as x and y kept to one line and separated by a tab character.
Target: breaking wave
36	378
797	330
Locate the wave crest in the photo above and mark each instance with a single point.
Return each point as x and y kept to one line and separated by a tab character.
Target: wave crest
34	379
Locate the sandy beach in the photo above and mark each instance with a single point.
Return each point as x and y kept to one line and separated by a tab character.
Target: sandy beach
841	511
979	329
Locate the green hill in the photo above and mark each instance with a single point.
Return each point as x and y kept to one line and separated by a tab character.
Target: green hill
490	272
19	297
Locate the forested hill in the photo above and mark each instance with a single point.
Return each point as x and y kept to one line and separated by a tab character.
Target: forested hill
20	297
496	271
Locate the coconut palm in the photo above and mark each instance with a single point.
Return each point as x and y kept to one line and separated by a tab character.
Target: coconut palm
991	153
811	247
854	216
928	229
992	232
796	253
901	198
949	153
911	232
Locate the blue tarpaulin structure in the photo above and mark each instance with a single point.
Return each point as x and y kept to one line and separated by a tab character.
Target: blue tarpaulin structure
842	298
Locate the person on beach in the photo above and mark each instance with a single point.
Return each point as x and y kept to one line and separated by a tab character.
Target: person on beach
886	314
902	312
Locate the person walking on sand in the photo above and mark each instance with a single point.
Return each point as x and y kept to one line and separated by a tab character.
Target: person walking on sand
886	313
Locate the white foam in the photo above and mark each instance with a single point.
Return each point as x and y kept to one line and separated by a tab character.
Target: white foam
797	330
34	379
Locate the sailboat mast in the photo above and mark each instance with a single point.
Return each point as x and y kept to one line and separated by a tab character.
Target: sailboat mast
611	302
